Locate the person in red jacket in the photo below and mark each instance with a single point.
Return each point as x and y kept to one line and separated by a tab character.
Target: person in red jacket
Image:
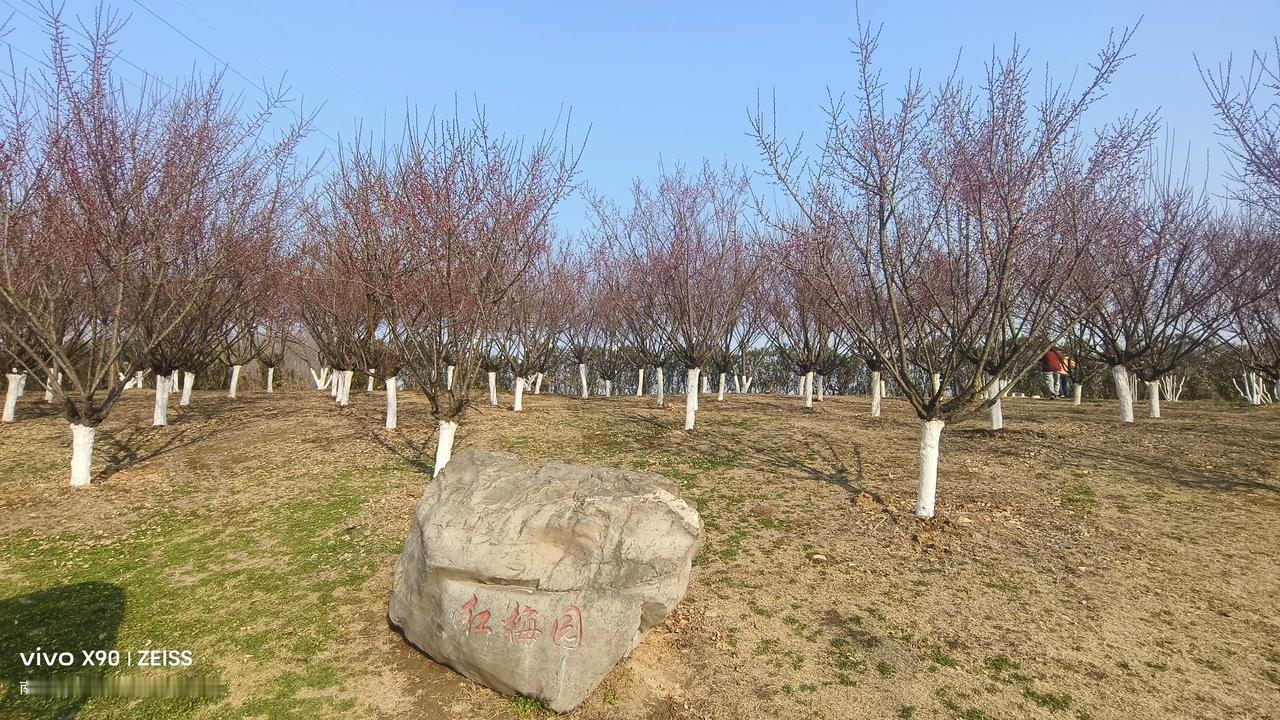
1052	367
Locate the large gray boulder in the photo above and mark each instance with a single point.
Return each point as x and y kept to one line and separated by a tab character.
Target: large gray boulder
537	580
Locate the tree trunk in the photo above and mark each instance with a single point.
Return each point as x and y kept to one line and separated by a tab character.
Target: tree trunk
444	445
994	390
537	384
335	379
369	388
81	454
746	385
160	414
639	382
1121	377
11	395
1153	399
661	387
691	397
582	375
706	389
822	390
137	380
48	388
937	382
930	437
493	388
391	403
189	382
877	391
806	387
720	394
345	397
518	405
271	380
235	381
1076	392
22	384
608	388
448	380
737	383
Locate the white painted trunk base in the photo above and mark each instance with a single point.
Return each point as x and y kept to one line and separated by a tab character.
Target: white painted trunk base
806	387
821	387
691	397
661	387
537	384
997	409
582	377
639	382
518	404
81	454
448	378
1076	393
1120	375
444	445
1153	399
271	380
493	388
369	388
877	391
720	393
188	382
926	491
235	381
608	388
11	395
391	403
344	395
160	413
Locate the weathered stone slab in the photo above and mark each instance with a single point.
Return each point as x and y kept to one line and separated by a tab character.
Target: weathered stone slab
537	580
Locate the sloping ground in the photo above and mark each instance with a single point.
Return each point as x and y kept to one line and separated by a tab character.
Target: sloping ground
1077	569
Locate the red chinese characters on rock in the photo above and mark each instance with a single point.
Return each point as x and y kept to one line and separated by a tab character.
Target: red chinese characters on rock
475	621
521	625
566	631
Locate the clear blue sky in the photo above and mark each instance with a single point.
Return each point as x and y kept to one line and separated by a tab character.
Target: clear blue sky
662	80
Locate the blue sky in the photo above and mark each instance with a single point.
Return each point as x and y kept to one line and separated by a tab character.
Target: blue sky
659	80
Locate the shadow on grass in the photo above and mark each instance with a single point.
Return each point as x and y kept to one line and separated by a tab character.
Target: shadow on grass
125	448
420	456
70	618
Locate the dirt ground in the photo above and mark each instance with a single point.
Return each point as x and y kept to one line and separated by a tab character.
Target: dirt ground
1077	568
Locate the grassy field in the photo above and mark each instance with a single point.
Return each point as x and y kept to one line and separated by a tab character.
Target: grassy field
1077	568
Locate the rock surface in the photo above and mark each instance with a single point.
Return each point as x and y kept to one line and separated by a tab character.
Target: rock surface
537	580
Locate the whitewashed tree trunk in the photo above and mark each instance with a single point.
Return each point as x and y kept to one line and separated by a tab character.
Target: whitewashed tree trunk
81	454
50	384
537	384
926	492
321	380
746	385
1076	393
582	376
639	382
448	379
518	405
1153	399
822	390
347	377
160	413
608	388
720	394
706	388
691	397
271	380
11	395
883	389
994	390
189	382
806	387
235	381
391	403
1120	375
444	445
937	382
493	388
137	379
737	383
369	374
877	391
22	384
661	386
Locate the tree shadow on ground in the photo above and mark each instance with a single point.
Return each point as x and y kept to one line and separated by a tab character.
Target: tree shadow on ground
71	618
420	456
121	449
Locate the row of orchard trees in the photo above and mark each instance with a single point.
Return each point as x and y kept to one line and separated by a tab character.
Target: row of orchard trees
946	239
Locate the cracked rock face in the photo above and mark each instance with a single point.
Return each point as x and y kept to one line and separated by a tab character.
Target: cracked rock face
537	580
